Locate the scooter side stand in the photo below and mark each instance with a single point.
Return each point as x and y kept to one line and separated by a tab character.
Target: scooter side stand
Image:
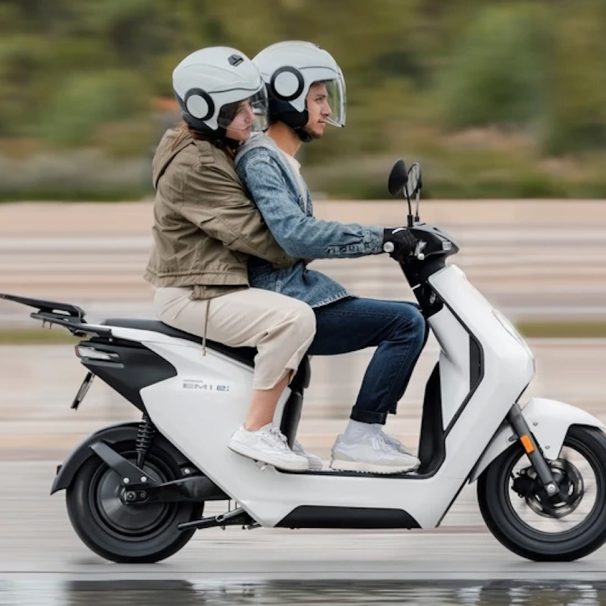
533	452
235	517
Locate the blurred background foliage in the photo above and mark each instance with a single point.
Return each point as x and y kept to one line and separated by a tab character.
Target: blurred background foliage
496	98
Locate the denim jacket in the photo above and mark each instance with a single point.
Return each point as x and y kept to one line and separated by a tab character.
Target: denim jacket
288	212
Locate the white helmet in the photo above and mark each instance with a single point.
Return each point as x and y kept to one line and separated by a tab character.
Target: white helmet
289	69
210	79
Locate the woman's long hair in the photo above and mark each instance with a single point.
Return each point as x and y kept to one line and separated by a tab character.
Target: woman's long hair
217	137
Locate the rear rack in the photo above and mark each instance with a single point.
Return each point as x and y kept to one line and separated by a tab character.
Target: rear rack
66	315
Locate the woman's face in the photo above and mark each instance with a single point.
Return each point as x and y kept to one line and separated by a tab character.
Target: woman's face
240	128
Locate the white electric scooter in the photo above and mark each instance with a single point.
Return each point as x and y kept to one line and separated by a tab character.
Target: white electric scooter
136	491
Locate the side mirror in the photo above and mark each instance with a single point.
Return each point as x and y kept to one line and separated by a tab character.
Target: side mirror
398	177
413	182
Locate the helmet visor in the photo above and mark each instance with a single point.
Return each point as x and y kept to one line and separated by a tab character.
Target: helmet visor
249	114
335	90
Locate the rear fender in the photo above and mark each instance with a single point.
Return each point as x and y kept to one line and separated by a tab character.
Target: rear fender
114	434
549	421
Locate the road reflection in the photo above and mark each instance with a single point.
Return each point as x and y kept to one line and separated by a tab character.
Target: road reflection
151	593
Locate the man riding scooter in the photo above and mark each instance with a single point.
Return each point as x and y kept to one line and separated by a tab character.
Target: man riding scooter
306	92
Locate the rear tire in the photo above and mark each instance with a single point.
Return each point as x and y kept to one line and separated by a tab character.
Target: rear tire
543	530
122	532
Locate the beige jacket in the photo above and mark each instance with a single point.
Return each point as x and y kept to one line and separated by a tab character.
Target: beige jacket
204	224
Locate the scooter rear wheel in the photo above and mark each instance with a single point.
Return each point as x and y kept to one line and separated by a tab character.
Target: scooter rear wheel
128	532
524	519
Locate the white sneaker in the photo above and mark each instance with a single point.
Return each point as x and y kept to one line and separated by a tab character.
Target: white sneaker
267	445
315	462
370	454
393	442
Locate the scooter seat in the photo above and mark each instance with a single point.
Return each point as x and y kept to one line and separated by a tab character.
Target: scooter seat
245	355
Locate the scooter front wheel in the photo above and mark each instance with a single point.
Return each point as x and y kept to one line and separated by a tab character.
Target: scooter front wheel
122	532
526	520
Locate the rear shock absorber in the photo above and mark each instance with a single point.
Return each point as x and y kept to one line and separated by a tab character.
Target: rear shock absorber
145	434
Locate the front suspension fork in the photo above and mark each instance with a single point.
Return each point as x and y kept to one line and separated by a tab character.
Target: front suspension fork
533	452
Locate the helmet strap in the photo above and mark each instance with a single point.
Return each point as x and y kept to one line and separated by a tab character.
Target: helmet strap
282	111
196	124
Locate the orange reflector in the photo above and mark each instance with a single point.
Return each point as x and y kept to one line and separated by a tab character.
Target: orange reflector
527	444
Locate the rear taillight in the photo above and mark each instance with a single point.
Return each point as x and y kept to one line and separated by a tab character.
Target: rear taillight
87	352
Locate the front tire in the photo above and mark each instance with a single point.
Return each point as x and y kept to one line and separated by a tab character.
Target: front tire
521	516
129	533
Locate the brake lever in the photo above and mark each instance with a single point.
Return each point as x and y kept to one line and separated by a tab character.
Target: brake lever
418	253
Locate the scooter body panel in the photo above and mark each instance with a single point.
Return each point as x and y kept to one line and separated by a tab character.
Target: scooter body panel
199	409
454	362
200	421
506	368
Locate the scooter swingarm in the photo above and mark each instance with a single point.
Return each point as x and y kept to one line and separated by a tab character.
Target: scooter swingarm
549	421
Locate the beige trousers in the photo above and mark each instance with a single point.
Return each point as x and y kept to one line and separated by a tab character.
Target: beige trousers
280	327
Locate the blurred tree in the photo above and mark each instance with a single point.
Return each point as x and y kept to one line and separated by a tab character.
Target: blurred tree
421	76
87	100
497	74
24	61
575	119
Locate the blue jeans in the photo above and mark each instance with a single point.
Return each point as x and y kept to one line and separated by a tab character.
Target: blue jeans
396	329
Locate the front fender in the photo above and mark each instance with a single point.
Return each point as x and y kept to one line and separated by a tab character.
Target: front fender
549	421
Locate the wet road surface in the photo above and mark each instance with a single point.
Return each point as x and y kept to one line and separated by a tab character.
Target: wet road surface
377	593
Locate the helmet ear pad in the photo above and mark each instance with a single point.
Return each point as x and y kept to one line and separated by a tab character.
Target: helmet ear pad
199	104
286	83
283	111
196	108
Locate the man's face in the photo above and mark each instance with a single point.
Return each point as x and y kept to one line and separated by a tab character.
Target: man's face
318	110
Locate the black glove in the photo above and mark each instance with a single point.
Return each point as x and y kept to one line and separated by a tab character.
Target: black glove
403	241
